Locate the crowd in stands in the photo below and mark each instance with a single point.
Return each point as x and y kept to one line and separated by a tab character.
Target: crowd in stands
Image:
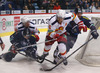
48	4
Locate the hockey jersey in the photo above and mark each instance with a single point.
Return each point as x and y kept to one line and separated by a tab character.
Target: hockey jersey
32	27
56	28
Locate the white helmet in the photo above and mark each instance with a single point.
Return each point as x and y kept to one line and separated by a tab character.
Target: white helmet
24	20
61	13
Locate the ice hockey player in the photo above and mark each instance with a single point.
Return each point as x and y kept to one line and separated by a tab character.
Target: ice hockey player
2	44
73	30
56	30
21	39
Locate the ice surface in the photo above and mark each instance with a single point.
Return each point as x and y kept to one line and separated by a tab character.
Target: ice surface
21	64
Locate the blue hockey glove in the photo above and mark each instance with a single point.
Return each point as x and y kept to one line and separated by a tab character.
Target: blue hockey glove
95	34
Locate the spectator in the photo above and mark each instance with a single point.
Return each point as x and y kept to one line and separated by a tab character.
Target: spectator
25	2
85	4
25	7
50	6
10	7
62	3
67	6
73	4
45	4
41	8
57	6
3	2
92	7
31	7
29	1
53	2
18	4
97	4
87	8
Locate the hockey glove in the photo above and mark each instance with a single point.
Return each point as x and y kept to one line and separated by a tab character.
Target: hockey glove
95	34
56	35
37	38
14	47
82	26
60	38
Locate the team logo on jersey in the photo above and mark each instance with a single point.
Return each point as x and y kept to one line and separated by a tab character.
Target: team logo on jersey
61	28
56	30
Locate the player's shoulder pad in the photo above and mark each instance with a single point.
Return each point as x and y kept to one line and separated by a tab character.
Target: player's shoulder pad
52	20
67	16
32	23
20	23
70	15
52	17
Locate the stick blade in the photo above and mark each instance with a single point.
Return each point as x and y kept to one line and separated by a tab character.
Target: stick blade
42	69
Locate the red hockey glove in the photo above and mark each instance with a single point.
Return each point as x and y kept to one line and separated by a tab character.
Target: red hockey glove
37	38
56	35
82	26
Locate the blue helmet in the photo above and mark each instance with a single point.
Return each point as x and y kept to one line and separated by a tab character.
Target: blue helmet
78	10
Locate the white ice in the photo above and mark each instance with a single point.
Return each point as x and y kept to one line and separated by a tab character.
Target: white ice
21	64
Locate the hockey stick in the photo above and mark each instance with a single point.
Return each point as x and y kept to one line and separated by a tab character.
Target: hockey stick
29	57
48	61
34	59
35	44
66	57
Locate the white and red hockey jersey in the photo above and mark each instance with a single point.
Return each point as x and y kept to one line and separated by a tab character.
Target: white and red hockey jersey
55	28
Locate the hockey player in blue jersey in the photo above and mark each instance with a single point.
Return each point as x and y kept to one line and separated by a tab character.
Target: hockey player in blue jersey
73	30
26	23
21	39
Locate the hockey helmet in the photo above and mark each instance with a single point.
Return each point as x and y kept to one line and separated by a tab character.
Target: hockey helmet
61	13
24	20
78	10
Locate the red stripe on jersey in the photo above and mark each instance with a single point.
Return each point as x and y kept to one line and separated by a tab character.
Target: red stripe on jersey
80	23
63	53
46	50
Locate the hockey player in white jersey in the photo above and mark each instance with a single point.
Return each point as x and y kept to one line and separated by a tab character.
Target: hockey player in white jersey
56	30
